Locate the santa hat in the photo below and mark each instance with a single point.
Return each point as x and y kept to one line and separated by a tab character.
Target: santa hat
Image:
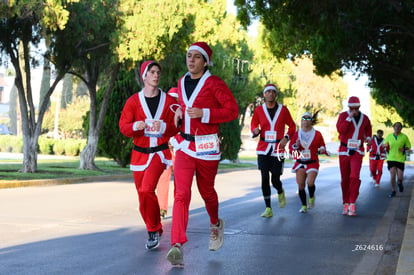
353	101
173	92
270	87
204	49
144	68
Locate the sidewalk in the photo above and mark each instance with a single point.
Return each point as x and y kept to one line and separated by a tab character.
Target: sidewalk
406	259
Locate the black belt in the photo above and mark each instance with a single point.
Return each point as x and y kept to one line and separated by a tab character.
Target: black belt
149	150
344	144
187	136
305	161
277	140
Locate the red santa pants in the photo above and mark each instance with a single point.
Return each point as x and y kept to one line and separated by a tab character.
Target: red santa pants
375	165
205	171
145	183
350	167
163	188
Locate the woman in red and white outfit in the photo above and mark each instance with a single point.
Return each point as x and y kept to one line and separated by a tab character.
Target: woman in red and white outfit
305	146
148	119
354	129
377	155
205	102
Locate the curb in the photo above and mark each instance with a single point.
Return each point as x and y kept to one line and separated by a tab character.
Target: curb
61	181
405	264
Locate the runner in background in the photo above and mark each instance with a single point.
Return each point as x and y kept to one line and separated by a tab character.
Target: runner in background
305	146
354	129
398	145
377	155
269	121
163	186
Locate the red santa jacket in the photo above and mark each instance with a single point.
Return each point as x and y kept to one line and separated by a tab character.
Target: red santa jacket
261	119
377	148
218	104
136	109
349	129
312	141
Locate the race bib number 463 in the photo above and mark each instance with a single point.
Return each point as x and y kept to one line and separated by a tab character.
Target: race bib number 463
207	144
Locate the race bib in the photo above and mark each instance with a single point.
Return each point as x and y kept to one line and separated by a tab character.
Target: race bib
306	155
150	129
270	136
353	144
207	144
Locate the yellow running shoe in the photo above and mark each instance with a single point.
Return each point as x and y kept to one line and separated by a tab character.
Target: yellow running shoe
282	199
268	213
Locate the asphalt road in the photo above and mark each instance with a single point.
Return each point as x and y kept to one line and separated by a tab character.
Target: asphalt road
95	228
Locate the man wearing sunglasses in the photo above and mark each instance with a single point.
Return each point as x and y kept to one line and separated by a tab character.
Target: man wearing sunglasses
354	129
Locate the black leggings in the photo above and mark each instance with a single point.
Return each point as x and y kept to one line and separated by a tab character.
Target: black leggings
273	165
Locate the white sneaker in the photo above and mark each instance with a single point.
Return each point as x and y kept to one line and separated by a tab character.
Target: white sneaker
216	236
176	256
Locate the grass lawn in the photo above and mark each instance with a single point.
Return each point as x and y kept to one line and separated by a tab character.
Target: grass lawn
69	168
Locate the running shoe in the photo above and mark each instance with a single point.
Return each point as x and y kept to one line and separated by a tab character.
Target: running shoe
281	199
311	202
268	213
351	209
376	185
401	187
303	209
153	240
216	235
176	256
163	213
346	207
392	194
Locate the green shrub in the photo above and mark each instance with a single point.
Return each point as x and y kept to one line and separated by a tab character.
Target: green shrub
45	146
71	147
59	147
17	145
5	143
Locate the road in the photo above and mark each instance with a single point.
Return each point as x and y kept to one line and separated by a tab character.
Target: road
95	228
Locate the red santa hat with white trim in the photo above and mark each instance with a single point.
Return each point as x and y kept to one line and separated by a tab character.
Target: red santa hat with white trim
204	49
353	101
173	92
144	68
270	87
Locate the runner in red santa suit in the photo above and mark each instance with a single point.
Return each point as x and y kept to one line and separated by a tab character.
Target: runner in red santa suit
163	186
305	146
270	120
354	128
377	155
148	119
205	102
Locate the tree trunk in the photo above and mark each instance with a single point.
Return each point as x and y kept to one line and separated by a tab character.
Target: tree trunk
29	154
87	157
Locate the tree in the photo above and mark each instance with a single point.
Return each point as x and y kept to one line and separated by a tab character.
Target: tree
87	43
372	37
111	142
21	27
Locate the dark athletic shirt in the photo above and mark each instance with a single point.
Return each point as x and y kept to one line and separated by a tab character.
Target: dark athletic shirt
153	102
190	85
